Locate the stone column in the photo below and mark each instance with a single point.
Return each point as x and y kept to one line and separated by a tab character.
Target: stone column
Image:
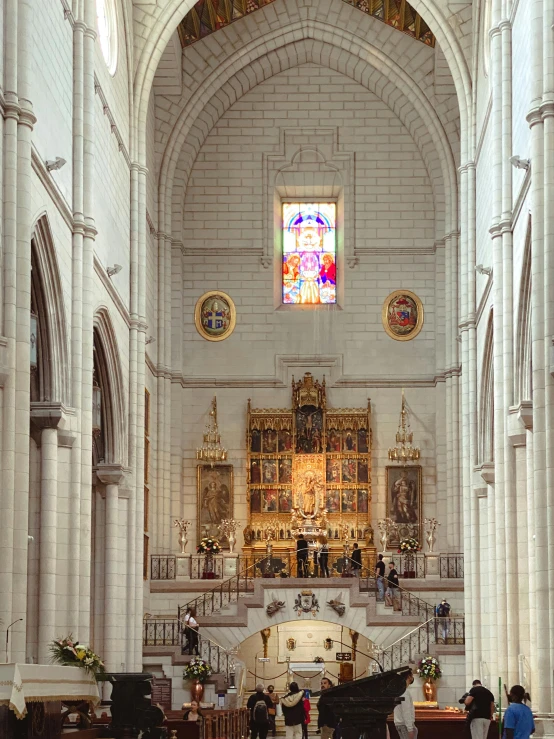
45	420
89	19
542	678
115	622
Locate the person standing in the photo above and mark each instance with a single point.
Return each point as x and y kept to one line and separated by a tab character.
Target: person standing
259	704
518	719
404	713
380	577
480	702
186	632
356	560
272	711
192	624
326	721
307	708
301	556
323	556
293	711
443	612
391	594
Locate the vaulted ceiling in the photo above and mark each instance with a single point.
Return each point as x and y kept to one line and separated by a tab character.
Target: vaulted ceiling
208	16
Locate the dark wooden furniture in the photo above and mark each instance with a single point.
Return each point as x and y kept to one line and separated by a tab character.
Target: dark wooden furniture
221	724
43	721
131	706
363	705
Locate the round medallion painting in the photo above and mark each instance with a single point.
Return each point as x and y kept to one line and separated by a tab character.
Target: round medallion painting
215	316
402	315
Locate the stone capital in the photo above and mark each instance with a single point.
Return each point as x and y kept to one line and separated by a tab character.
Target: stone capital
110	474
486	471
46	415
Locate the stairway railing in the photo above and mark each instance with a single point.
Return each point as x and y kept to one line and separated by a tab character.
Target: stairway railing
225	593
407	603
418	642
159	632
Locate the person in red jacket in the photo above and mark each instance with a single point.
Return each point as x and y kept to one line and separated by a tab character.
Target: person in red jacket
307	709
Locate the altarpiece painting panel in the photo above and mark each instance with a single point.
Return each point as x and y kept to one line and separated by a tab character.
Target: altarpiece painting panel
404	501
214	498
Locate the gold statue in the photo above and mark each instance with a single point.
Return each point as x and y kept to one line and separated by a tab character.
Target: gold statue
265	634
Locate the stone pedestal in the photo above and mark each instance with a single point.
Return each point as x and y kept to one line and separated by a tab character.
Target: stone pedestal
182	568
230	564
432	566
544	724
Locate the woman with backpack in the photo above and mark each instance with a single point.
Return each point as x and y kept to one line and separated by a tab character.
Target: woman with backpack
293	711
259	705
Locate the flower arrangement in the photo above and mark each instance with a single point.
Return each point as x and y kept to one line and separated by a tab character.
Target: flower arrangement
318	660
70	653
429	668
408	545
208	545
197	669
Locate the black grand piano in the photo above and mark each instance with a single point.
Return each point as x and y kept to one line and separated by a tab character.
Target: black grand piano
362	706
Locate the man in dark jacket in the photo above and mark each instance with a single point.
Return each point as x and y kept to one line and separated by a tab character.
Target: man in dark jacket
293	711
327	721
356	560
301	556
259	704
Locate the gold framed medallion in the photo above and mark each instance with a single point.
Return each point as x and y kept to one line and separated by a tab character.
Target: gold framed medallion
215	316
402	315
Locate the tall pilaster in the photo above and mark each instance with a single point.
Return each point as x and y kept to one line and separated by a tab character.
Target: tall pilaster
114	575
46	419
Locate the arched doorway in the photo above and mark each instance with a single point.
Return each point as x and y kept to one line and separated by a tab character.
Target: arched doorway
291	650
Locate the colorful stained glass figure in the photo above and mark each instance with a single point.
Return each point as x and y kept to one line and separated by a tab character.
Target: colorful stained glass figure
309	253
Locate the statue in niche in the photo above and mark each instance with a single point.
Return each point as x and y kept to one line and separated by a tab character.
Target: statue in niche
310	494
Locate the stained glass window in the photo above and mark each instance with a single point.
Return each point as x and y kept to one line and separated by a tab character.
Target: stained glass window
309	253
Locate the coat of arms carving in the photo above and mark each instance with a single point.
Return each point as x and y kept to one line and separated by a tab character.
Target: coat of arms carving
306	602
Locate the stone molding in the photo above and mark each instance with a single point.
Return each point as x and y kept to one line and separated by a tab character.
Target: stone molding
333	363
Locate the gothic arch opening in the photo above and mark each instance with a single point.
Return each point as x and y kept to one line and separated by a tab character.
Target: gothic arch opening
49	345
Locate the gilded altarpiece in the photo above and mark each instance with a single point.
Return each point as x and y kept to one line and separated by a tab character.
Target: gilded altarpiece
308	471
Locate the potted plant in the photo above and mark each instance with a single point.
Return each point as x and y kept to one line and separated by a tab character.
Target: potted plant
409	547
429	671
208	546
198	672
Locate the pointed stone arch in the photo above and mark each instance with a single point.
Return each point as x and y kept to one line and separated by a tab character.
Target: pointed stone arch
486	399
163	20
47	298
524	373
321	44
110	380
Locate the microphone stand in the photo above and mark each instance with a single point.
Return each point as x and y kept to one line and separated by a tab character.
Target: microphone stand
8	635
